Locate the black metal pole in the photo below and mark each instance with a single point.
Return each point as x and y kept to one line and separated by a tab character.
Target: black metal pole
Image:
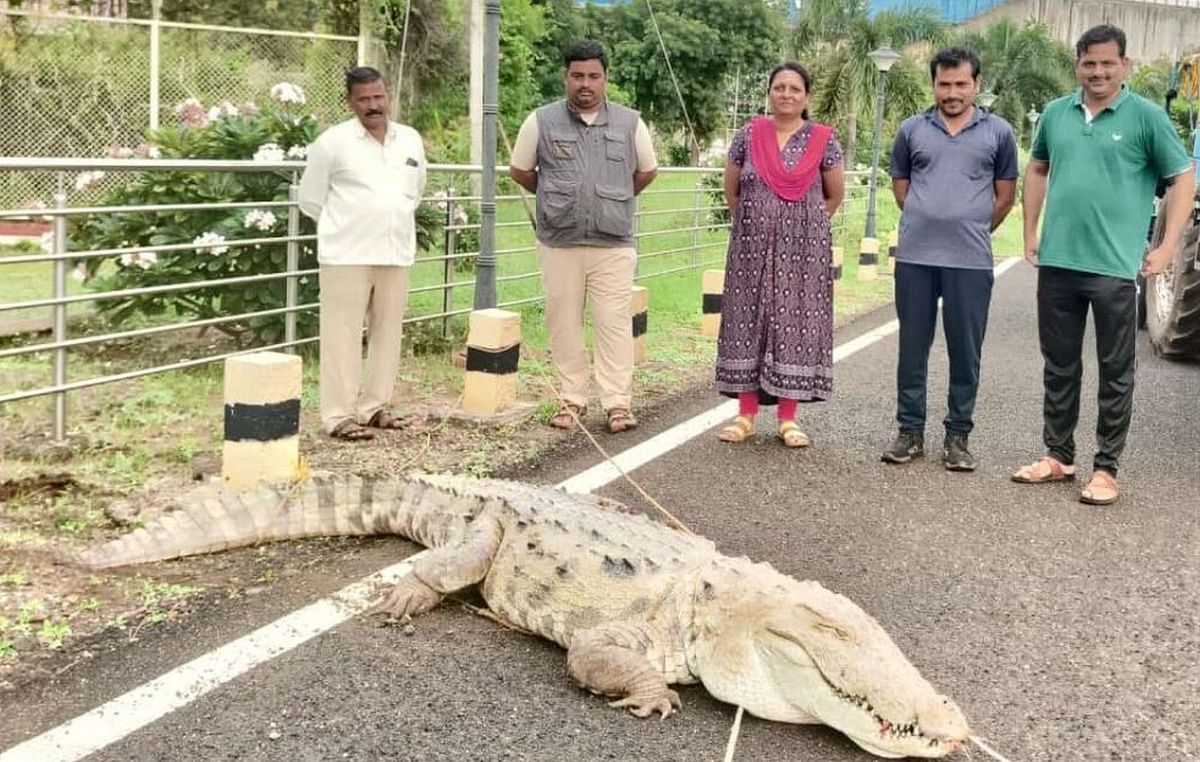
485	269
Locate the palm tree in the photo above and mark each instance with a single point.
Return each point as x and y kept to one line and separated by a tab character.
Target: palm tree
836	36
1023	65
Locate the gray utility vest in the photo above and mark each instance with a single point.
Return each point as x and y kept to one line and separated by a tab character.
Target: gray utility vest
585	176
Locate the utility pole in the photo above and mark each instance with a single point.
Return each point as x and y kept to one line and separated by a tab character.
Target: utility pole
485	268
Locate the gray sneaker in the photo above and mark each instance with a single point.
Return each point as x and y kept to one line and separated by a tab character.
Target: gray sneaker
908	445
955	455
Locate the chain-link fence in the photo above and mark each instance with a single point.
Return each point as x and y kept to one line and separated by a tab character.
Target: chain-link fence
85	86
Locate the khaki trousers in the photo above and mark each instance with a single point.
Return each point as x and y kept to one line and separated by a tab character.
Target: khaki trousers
571	277
348	292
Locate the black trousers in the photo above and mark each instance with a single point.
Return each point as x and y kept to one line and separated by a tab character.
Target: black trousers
966	295
1064	297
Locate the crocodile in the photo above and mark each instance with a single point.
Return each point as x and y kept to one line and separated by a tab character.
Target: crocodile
638	605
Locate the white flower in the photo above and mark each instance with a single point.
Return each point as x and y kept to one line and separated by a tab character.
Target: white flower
79	274
152	152
259	219
269	152
297	152
85	180
210	243
47	242
142	259
222	110
286	92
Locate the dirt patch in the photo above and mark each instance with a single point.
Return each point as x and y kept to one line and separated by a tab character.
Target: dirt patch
42	486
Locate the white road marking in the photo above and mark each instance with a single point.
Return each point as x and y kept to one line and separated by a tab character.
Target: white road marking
110	722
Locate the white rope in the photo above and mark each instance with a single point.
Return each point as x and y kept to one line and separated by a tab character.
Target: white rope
987	749
733	735
670	70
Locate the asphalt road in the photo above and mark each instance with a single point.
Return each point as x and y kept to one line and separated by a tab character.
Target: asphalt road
1065	632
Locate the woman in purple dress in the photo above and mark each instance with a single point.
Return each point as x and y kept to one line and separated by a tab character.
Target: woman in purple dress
783	182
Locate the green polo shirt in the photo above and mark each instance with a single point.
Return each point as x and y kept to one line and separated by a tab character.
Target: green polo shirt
1102	176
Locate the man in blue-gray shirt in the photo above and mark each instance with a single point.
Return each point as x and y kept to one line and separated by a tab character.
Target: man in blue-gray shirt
954	171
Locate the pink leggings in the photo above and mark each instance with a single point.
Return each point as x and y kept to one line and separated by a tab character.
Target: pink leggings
748	406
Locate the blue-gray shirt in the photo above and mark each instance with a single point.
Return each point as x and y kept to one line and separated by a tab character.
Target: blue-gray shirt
947	216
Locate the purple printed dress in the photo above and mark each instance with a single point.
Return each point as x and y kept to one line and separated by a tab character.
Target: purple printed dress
777	310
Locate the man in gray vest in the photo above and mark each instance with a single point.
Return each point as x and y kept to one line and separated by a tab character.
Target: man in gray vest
586	159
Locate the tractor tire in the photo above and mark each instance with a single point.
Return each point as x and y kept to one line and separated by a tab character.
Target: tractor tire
1173	302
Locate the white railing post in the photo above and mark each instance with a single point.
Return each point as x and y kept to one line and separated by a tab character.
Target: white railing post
60	311
451	245
291	297
155	39
698	203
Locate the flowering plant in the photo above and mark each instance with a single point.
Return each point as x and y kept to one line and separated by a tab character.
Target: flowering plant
281	129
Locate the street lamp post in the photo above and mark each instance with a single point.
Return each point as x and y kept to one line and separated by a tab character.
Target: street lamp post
987	98
868	252
1032	116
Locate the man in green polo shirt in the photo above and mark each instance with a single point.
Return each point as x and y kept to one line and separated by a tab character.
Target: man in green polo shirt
1095	161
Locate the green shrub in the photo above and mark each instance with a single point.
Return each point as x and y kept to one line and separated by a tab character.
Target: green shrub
280	130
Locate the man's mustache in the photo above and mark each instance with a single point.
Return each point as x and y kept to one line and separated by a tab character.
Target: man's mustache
374	112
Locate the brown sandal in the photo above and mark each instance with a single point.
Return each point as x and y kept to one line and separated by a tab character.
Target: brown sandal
349	431
620	419
1045	470
385	420
739	430
1102	482
567	415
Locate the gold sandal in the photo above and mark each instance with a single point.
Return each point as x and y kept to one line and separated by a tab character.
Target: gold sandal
791	435
741	429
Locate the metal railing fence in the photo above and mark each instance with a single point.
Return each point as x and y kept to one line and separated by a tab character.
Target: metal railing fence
670	238
80	85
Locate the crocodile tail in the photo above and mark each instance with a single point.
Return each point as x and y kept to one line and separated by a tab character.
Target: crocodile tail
329	507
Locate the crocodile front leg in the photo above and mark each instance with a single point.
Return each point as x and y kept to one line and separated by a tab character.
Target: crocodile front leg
613	660
444	570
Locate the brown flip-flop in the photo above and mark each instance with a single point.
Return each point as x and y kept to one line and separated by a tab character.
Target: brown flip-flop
1045	470
349	431
1101	480
385	420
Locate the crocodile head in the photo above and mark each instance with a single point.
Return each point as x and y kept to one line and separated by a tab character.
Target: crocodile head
795	652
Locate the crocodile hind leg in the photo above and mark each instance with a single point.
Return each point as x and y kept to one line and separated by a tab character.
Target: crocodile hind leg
614	660
443	570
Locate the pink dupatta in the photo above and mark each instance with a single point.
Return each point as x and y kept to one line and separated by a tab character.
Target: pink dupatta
788	184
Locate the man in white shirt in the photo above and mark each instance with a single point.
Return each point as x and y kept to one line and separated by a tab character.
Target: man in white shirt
586	159
362	185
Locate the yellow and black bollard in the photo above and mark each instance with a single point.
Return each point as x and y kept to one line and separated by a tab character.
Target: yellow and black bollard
868	259
262	419
712	284
638	307
493	351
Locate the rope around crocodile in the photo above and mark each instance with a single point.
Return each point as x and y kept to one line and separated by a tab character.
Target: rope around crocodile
734	731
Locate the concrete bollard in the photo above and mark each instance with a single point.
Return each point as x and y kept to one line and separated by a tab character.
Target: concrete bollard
893	244
493	349
868	259
836	264
262	419
638	307
712	284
